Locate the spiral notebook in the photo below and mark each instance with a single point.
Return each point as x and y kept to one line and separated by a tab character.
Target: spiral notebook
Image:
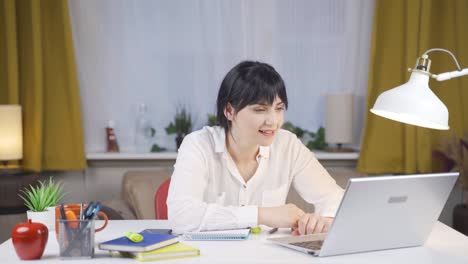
235	234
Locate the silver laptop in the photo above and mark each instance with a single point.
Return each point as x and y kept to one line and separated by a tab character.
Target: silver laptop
383	212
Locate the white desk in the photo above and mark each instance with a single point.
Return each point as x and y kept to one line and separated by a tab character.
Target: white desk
444	245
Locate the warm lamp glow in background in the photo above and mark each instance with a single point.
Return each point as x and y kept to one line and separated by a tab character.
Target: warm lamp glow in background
11	133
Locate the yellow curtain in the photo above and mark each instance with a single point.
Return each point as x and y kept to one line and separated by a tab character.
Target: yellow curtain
38	71
403	30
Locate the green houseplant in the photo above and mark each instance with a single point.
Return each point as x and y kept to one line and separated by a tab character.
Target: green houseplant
318	140
212	121
155	147
41	200
315	141
181	126
294	129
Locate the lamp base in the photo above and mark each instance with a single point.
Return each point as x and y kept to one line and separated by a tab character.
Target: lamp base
5	169
339	149
10	171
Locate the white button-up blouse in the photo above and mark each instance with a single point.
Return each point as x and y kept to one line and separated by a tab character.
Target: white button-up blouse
207	191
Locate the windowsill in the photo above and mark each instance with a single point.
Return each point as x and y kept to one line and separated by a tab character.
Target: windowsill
320	155
132	156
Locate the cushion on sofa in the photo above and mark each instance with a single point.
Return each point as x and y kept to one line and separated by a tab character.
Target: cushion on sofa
138	189
118	210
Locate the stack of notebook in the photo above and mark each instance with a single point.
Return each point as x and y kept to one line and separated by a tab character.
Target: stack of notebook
235	234
152	247
156	246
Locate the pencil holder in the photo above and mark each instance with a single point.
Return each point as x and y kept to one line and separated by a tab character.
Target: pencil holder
76	238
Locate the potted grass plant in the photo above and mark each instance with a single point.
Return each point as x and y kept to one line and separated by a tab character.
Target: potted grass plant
41	200
181	126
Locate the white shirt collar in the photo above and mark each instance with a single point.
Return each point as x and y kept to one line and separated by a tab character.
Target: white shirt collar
219	137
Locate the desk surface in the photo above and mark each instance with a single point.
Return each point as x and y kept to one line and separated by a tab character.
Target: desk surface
444	245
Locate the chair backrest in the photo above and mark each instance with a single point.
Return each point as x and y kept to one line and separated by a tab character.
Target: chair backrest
160	206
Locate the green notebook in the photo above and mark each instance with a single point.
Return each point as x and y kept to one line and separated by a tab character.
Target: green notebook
177	250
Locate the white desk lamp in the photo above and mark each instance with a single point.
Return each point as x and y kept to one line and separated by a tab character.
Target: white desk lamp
413	102
11	134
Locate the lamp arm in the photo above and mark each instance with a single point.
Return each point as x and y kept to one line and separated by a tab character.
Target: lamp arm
449	75
447	51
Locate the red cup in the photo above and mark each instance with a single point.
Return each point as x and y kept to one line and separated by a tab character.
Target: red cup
75	208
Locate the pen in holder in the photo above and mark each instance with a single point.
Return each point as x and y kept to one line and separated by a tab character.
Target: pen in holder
77	211
76	238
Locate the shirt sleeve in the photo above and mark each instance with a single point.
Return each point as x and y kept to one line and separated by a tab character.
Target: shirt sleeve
313	183
187	210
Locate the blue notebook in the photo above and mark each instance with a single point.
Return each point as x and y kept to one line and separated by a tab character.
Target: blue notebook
236	234
150	242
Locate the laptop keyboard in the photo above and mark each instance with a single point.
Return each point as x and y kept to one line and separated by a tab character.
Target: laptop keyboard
313	245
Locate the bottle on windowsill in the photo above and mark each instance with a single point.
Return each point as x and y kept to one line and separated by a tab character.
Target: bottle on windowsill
111	138
144	131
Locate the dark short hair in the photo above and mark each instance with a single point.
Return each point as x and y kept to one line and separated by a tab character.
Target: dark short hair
249	82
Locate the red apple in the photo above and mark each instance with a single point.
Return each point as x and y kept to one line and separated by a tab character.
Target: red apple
29	240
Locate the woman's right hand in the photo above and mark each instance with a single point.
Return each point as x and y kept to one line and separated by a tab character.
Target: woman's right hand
280	216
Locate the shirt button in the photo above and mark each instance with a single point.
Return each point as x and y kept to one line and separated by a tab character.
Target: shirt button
242	204
245	186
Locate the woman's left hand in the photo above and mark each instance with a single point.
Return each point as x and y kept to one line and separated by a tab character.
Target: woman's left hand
312	224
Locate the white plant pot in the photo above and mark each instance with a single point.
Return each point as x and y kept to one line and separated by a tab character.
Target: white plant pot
51	210
46	217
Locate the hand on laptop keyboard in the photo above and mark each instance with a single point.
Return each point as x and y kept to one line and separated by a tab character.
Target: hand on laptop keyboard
312	224
280	216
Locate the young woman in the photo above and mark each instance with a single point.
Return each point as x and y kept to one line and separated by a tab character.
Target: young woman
238	174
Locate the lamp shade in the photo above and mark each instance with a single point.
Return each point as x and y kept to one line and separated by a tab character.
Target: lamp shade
413	103
11	133
339	118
